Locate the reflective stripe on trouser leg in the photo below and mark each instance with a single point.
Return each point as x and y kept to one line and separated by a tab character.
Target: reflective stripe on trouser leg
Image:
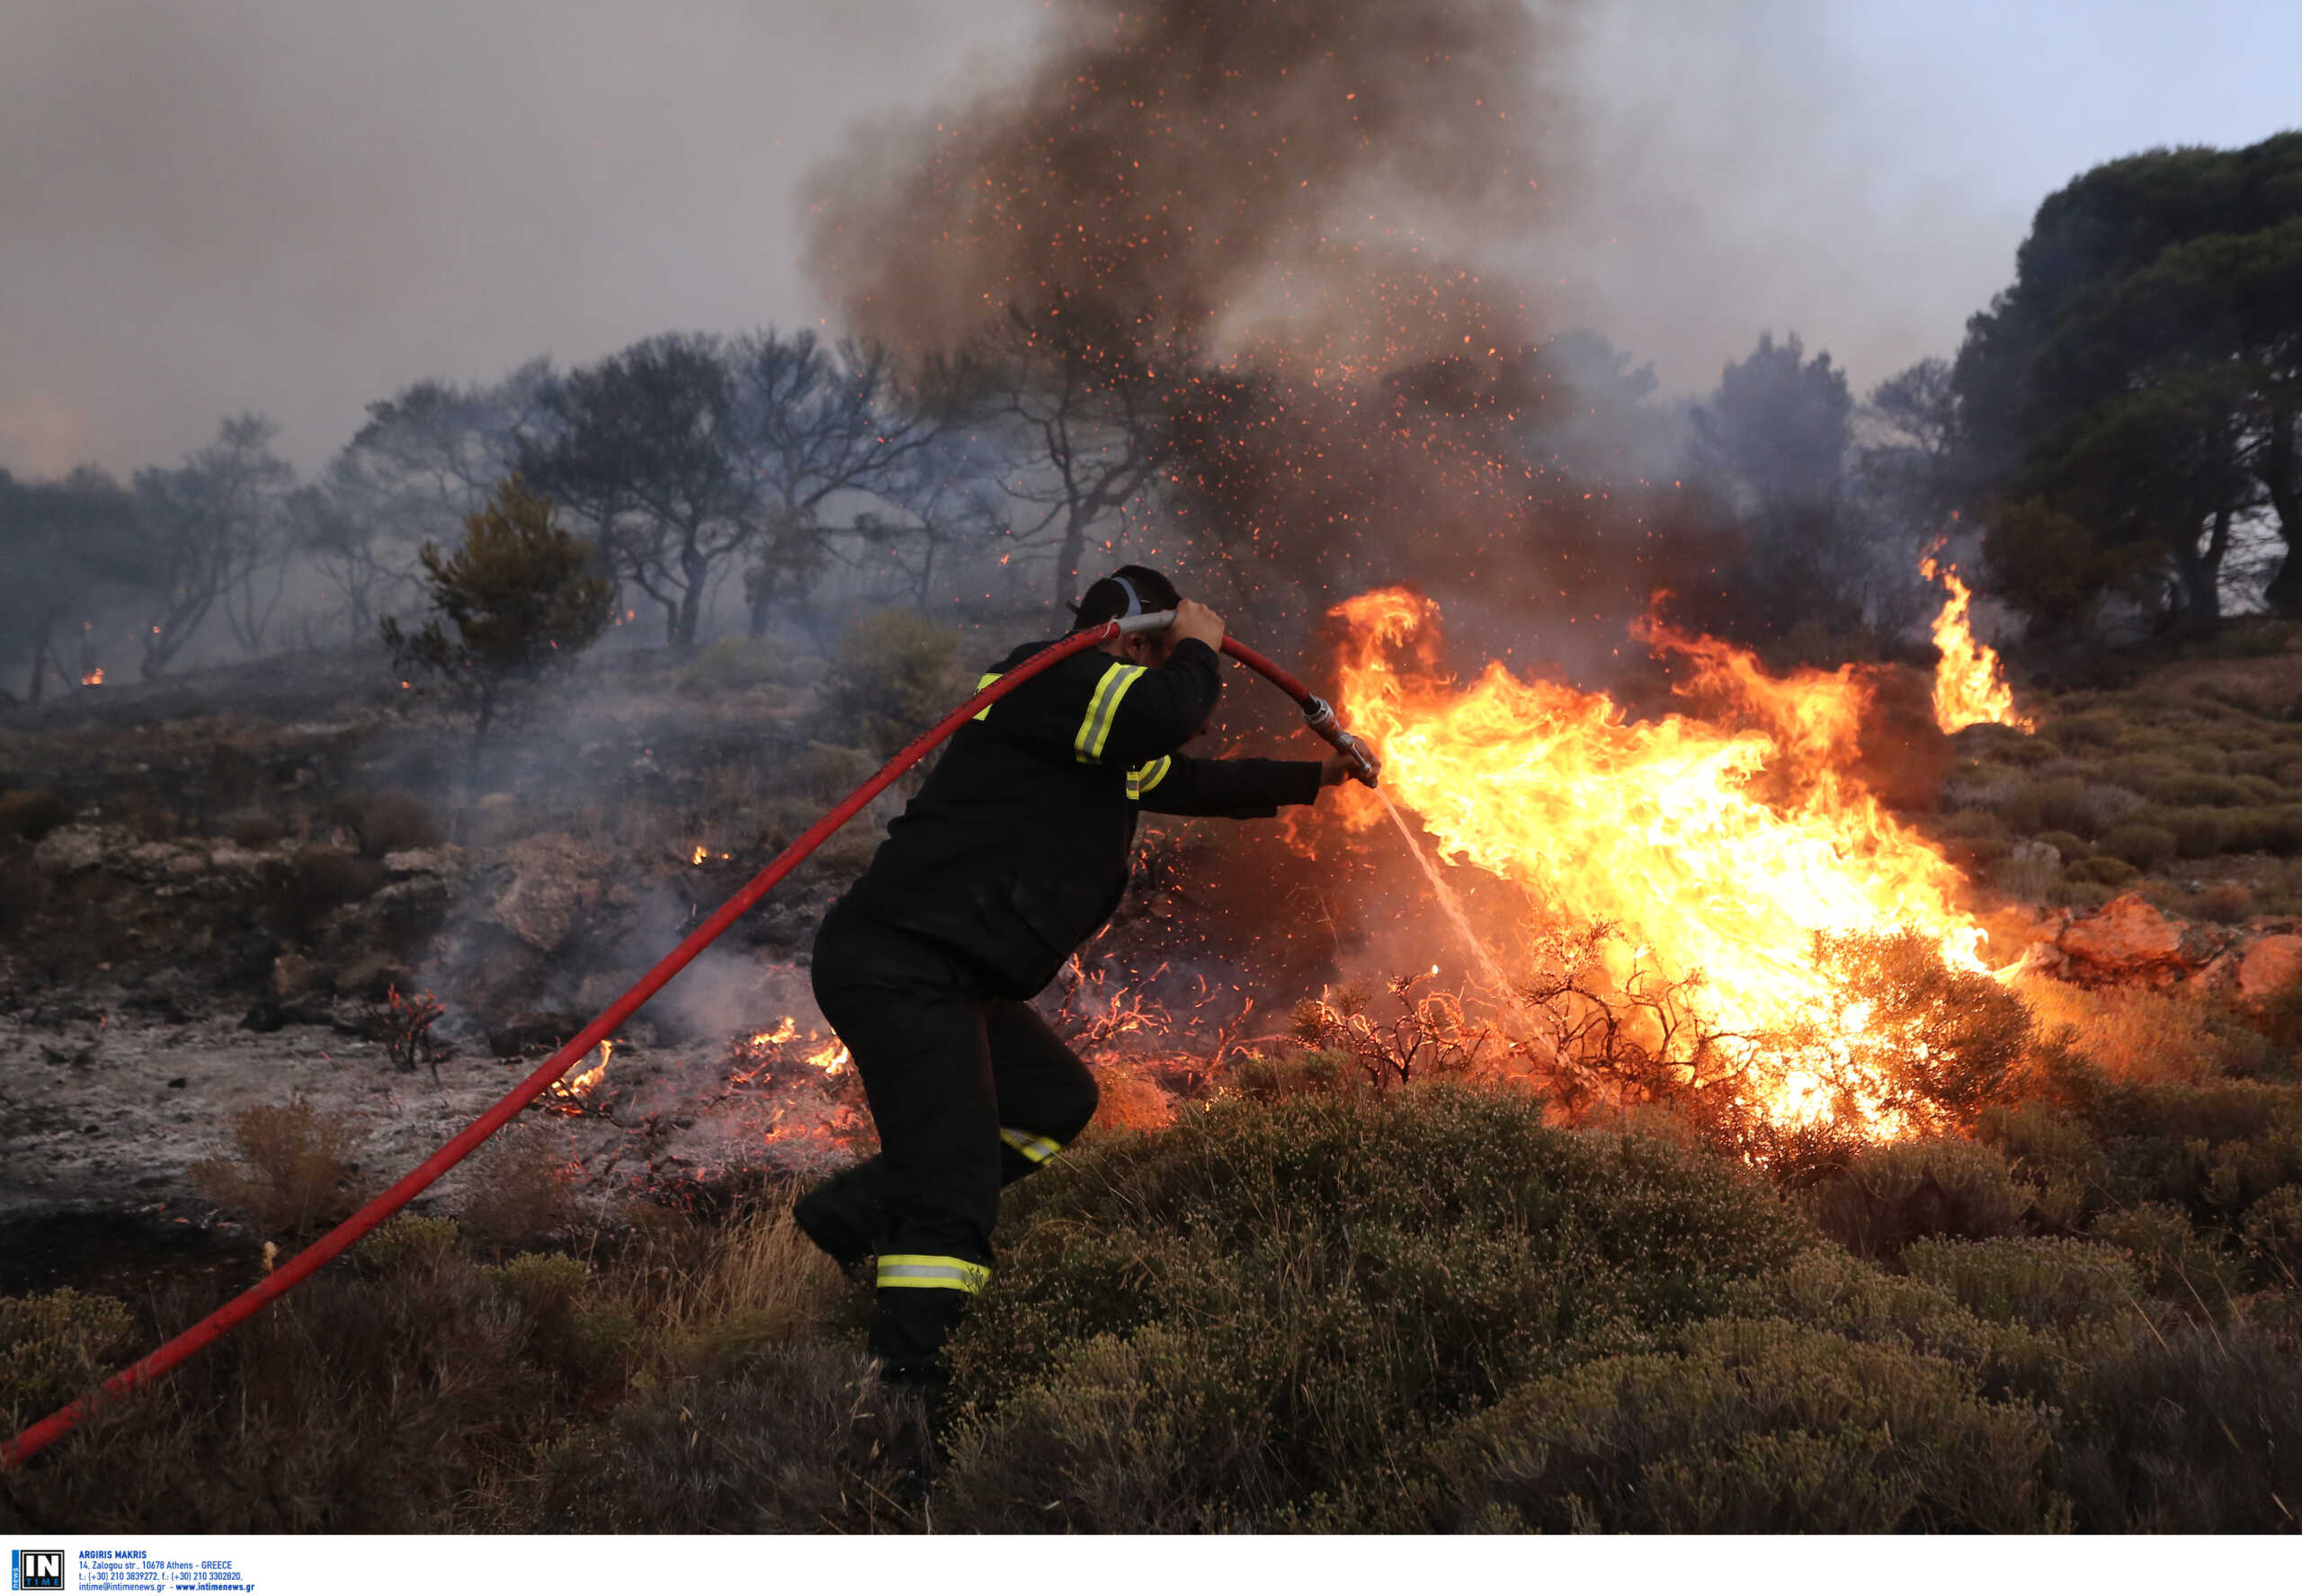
923	1269
1039	1149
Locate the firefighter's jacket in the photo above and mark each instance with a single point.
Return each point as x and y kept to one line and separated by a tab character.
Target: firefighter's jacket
1015	852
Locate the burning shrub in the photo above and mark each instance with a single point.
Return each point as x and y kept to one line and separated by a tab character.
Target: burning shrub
889	678
290	1175
1426	1038
1758	1426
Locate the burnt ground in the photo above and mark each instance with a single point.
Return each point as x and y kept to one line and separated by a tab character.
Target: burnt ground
217	885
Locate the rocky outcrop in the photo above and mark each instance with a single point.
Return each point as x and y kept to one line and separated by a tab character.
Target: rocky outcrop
2131	941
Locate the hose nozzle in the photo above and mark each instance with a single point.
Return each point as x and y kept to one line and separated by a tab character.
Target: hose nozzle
1320	716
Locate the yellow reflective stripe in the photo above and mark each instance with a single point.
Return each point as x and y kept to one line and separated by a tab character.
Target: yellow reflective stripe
916	1268
1102	709
1039	1149
1142	778
988	678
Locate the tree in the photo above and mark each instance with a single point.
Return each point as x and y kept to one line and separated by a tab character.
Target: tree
1772	445
648	450
67	547
2142	374
424	459
819	430
213	533
518	598
1089	422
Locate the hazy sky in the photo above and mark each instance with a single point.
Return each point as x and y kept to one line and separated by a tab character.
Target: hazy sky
298	206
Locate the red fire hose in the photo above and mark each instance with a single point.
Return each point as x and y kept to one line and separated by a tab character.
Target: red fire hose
305	1263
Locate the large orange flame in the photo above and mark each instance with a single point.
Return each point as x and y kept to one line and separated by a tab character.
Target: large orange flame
1720	846
1970	687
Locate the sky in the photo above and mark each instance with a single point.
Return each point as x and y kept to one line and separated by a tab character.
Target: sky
301	206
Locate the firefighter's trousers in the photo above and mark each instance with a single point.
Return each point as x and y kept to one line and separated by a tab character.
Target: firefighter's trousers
967	1090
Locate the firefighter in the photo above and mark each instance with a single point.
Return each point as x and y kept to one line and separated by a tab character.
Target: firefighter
1012	855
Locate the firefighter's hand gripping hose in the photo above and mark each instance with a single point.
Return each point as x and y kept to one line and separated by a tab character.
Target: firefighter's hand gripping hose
1315	711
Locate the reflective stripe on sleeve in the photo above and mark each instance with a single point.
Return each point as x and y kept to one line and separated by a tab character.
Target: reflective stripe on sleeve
1103	709
1142	778
988	678
920	1269
1039	1149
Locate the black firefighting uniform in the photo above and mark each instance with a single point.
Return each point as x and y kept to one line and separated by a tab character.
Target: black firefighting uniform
1014	854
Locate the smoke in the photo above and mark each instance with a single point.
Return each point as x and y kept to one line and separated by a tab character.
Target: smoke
1314	183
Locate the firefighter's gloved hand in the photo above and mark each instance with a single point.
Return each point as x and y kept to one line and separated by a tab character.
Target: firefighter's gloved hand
1339	767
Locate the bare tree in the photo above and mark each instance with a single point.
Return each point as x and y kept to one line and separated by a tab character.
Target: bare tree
213	535
820	430
1091	427
648	450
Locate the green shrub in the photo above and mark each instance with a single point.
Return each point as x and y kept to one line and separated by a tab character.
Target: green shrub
2193	788
30	815
2103	869
392	822
1759	1426
543	1283
2193	1430
2172	1259
409	1243
805	1442
1892	1195
2069	845
295	894
2054	1155
1241	1321
888	680
2144	847
2199	834
735	664
55	1346
2274	1237
2030	1282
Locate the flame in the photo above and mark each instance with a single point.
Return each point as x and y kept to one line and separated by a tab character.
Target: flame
699	855
94	678
1970	687
591	1077
1714	849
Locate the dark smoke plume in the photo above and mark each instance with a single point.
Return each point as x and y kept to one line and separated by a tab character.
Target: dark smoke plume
1307	183
1269	224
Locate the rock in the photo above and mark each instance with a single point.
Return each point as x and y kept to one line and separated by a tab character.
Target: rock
71	849
2268	964
2127	937
535	1031
293	975
2035	853
554	879
421	862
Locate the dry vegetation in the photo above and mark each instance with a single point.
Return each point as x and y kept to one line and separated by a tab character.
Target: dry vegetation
1352	1291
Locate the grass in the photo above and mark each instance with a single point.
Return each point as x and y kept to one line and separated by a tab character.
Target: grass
1321	1304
